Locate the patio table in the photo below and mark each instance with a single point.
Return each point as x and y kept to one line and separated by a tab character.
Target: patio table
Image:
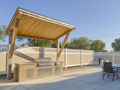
117	66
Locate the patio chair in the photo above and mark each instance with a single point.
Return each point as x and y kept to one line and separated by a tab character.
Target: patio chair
102	61
109	71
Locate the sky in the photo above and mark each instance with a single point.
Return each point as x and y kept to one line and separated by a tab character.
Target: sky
95	19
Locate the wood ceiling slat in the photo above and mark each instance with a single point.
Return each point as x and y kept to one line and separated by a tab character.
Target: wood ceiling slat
22	28
39	28
28	25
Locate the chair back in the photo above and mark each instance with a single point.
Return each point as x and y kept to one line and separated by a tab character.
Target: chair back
107	61
108	67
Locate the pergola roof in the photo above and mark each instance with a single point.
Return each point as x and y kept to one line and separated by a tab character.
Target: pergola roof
33	25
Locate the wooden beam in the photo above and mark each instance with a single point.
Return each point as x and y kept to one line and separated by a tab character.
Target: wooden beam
14	37
63	44
58	45
16	15
36	37
9	62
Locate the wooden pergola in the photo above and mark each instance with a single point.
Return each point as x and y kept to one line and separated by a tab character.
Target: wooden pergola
32	25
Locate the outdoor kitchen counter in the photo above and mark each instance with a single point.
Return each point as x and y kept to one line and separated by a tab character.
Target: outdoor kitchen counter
27	71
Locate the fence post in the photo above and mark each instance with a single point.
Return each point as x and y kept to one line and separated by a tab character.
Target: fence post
43	52
99	57
81	52
66	58
113	57
7	60
99	54
93	57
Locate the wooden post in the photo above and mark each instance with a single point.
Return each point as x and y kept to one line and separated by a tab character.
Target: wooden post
58	45
63	44
9	62
12	39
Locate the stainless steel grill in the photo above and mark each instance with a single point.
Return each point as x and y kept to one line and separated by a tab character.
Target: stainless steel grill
44	61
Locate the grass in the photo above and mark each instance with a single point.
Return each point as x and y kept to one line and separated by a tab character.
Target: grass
3	74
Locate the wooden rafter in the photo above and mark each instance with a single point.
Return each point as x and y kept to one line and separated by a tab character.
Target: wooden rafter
14	37
63	44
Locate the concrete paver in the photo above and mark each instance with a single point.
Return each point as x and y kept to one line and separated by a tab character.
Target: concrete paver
81	80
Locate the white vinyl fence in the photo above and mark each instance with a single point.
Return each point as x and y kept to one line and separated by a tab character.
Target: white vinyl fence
69	57
114	57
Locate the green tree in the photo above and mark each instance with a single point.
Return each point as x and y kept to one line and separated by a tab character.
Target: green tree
79	43
54	44
67	45
2	33
98	45
116	44
40	43
75	43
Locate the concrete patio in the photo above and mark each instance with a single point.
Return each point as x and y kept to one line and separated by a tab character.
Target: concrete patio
89	79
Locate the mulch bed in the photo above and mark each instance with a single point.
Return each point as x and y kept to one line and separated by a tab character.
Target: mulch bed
78	68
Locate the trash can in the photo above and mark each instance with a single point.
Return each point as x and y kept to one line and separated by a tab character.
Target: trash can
99	60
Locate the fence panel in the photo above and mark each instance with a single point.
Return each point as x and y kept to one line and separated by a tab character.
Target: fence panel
74	56
3	61
117	59
73	59
111	56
